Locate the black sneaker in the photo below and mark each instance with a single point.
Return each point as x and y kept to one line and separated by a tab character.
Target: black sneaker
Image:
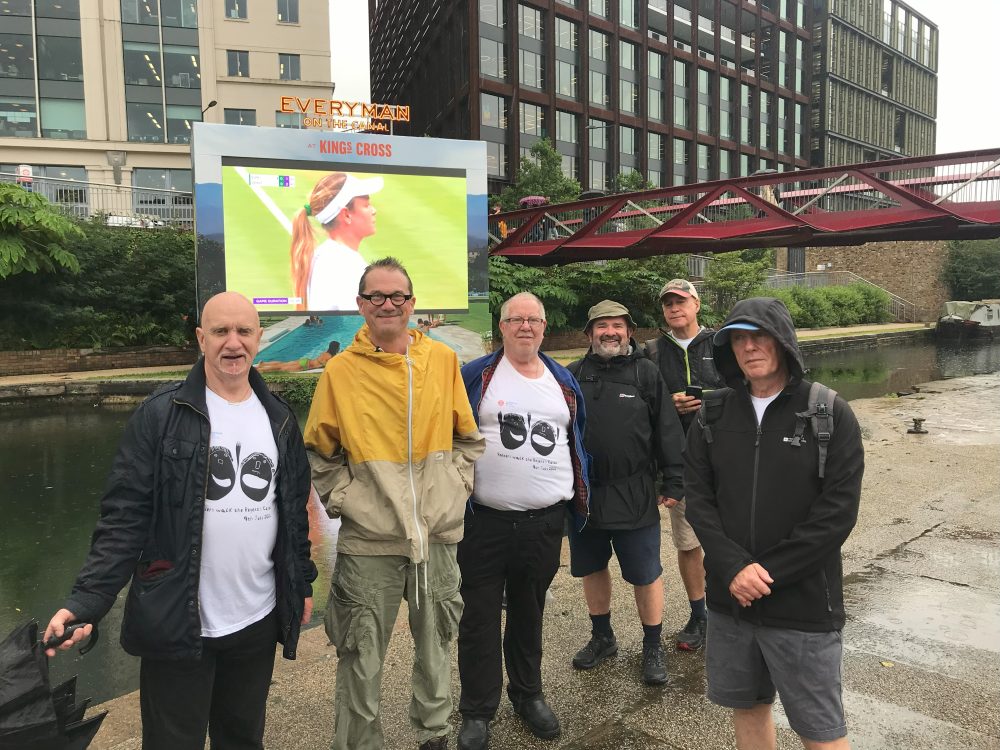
601	647
692	637
654	671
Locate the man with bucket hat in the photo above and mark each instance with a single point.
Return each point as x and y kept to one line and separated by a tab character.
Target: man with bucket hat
633	435
683	355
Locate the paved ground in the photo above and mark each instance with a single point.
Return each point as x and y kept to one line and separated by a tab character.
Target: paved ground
922	657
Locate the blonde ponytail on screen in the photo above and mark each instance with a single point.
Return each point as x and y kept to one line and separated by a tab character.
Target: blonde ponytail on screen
303	241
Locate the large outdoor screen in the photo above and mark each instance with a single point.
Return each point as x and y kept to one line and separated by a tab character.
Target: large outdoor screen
290	218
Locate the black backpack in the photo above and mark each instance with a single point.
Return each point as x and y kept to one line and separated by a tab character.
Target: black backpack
819	415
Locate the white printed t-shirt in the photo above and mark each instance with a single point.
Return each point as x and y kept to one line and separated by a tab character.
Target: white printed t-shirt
527	463
334	277
237	585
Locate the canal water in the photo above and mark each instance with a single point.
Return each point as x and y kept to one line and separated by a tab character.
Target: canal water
54	460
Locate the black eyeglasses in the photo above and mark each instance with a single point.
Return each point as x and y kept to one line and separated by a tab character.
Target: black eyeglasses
378	299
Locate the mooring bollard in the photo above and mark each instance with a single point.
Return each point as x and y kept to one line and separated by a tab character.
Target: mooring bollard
918	427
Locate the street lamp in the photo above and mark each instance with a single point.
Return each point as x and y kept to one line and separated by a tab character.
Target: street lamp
210	105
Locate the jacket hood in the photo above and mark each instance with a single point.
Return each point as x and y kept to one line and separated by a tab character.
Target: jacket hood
772	316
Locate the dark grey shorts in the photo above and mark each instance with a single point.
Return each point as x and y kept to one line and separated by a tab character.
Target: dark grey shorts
745	663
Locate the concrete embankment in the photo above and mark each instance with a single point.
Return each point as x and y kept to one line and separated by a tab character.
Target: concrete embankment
922	643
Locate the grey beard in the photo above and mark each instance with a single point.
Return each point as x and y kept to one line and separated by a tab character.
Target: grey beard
605	354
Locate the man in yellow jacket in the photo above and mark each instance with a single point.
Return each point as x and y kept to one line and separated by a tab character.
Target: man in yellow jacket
392	441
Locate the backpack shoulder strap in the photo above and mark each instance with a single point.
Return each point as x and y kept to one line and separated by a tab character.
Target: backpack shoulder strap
820	416
710	410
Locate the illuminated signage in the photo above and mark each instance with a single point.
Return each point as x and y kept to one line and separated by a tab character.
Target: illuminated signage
333	114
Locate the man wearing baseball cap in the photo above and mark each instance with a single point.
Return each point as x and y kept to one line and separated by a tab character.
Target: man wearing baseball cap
773	502
634	438
683	355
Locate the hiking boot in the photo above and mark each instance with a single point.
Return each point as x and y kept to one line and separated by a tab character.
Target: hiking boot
436	743
474	734
537	716
601	647
654	670
692	637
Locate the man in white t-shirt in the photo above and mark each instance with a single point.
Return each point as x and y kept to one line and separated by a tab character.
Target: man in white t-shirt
531	412
206	512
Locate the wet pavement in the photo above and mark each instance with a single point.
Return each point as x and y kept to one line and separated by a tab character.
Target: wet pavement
922	642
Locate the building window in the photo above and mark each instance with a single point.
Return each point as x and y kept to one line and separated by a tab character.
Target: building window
59	58
681	156
627	140
598	45
532	69
236	9
569	166
654	104
56	9
496	159
704	101
628	97
180	67
599	8
145	122
599	89
491	12
598	134
628	13
238	61
680	94
142	64
179	119
240	116
18	56
179	13
137	11
566	79
493	59
288	67
529	23
532	119
598	175
566	129
566	34
169	193
493	111
17	117
288	11
288	120
63	118
626	55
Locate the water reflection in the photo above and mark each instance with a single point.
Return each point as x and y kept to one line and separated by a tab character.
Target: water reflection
54	460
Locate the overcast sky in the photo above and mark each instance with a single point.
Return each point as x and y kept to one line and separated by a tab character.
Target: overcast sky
968	114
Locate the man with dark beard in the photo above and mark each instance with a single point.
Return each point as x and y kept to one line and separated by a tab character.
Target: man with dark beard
632	435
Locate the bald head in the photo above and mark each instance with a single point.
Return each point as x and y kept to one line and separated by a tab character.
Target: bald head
225	303
229	337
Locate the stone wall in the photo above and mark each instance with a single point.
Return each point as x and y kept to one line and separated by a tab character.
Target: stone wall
911	270
78	360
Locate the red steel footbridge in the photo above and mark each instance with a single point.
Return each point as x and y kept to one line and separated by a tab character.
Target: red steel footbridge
947	196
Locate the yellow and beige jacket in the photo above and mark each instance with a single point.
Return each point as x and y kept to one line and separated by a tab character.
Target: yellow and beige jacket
392	441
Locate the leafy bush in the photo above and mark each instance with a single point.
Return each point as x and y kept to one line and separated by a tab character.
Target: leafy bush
33	234
821	307
135	287
972	269
730	278
295	389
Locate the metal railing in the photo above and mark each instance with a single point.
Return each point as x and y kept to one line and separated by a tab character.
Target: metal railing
117	205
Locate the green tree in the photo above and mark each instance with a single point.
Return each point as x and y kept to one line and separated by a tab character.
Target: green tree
540	174
508	278
630	182
33	234
134	287
972	269
729	279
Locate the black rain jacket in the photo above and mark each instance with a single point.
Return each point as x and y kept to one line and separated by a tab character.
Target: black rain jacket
682	367
754	497
150	529
632	429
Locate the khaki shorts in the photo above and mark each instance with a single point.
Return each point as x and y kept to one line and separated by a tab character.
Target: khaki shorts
680	529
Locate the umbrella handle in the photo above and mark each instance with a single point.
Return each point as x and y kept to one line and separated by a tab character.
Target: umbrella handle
68	631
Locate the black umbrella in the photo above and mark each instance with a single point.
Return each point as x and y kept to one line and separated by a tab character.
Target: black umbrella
33	715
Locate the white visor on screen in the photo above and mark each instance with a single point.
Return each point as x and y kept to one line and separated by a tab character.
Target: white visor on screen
353	188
